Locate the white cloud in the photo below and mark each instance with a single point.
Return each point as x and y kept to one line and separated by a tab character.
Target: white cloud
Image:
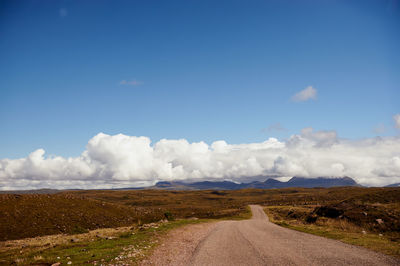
396	118
131	82
128	161
63	12
305	95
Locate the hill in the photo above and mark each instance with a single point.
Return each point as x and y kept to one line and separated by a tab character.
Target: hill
30	215
394	185
267	184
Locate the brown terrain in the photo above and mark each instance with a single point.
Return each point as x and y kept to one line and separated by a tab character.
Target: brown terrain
368	217
259	242
30	215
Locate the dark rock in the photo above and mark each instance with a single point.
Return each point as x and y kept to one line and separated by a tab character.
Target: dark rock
327	211
311	218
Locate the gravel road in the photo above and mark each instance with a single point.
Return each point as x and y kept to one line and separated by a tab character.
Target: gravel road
259	242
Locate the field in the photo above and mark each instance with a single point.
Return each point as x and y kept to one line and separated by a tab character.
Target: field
364	216
371	219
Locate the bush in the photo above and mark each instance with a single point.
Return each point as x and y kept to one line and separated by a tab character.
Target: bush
168	216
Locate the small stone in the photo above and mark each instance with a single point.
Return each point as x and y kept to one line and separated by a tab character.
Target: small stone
380	235
364	232
56	264
379	221
69	262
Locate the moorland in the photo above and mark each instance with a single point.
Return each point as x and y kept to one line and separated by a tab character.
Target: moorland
364	216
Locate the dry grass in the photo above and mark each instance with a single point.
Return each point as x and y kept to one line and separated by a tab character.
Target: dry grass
38	215
71	212
342	229
126	245
95	247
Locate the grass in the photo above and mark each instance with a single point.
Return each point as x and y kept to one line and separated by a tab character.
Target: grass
342	229
65	213
28	215
128	246
134	243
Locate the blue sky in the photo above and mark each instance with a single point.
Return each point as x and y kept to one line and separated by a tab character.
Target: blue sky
199	70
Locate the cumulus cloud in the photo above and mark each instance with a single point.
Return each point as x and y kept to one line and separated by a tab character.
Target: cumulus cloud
128	161
131	82
308	93
396	118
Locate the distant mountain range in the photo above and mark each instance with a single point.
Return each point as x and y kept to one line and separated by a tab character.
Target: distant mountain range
394	185
267	184
31	191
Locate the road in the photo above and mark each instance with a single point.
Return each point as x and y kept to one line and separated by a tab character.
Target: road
260	242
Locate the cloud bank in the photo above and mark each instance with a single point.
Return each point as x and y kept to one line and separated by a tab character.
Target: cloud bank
305	95
129	161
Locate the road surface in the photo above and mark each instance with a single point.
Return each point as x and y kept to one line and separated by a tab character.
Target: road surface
260	242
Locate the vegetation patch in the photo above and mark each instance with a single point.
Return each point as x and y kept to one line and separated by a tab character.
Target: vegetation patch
324	222
369	214
127	245
118	246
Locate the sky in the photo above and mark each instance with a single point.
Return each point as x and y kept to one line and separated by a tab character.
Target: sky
86	87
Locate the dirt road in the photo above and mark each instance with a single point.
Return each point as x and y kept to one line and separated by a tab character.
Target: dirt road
260	242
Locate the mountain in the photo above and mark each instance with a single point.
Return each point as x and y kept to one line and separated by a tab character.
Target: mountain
267	184
227	185
321	182
393	185
31	191
220	185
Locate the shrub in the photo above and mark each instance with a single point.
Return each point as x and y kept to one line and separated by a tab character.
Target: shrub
168	216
